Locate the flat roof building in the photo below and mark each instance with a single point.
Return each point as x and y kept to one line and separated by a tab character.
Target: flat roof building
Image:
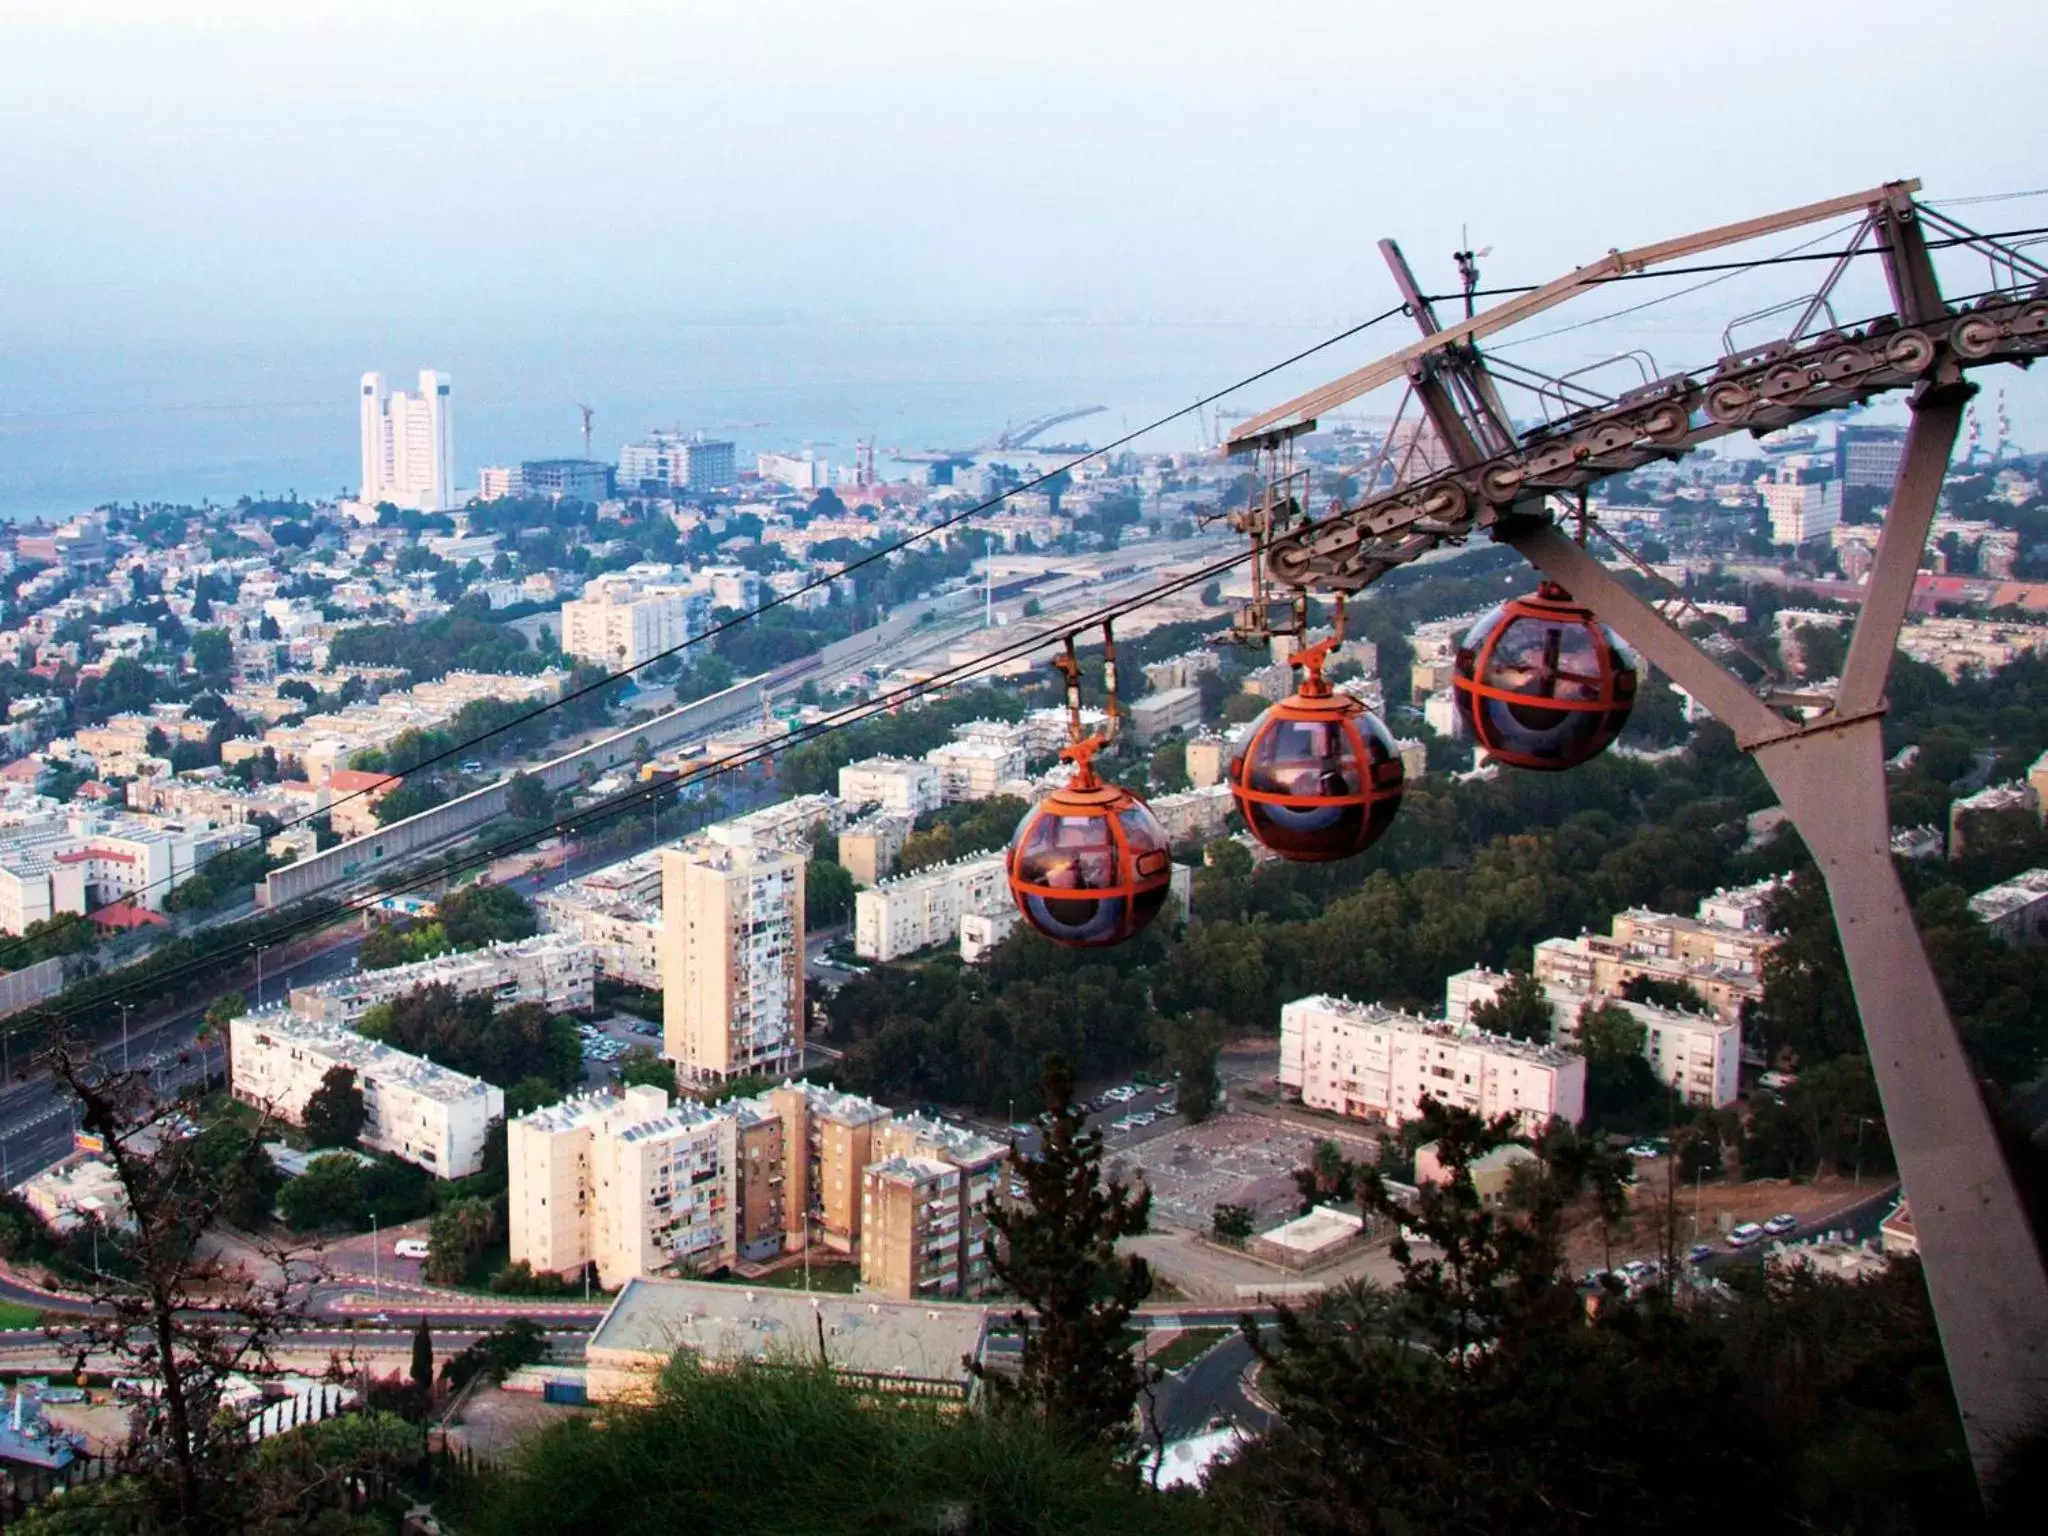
732	961
416	1109
916	911
555	970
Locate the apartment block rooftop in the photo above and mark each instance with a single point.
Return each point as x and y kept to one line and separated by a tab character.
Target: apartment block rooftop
1380	1016
371	1058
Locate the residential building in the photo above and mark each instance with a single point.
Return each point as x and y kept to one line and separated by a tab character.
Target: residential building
1208	757
84	861
732	961
551	969
1804	504
1182	671
1158	714
924	1209
634	1184
828	1138
1723	965
1746	907
352	796
898	786
408	444
800	472
416	1110
588	480
1195	815
1698	1054
787	824
974	769
1992	800
982	931
2017	910
621	622
869	848
622	936
916	911
1368	1060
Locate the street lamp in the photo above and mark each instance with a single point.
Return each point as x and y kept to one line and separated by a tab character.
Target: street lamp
376	1289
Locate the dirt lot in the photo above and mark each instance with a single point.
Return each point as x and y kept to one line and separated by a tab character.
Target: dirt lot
494	1421
1720	1206
1230	1160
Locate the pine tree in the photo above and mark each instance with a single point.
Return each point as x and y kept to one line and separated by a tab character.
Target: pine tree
1058	1252
423	1364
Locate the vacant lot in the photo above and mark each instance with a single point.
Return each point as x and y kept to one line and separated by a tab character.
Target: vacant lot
1230	1160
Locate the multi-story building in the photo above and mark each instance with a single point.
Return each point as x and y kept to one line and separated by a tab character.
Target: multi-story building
1804	504
1182	671
691	463
869	848
789	825
634	1184
621	622
2016	910
408	444
1869	456
416	1110
622	935
732	961
352	796
828	1138
982	931
924	1209
1194	814
1723	965
2009	799
975	769
1158	714
78	863
551	969
1746	907
916	911
800	472
898	786
1368	1060
1698	1054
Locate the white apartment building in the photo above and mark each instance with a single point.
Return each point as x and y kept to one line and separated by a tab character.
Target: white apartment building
416	1110
1368	1060
982	931
636	1184
924	1209
732	960
621	622
1698	1054
408	444
694	463
786	825
916	911
2017	910
552	969
1746	907
74	863
974	769
623	936
1158	714
1804	504
898	786
800	472
1195	813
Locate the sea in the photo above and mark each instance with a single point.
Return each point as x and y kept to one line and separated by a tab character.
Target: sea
214	417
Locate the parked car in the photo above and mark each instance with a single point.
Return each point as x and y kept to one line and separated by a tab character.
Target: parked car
1781	1223
1645	1150
410	1247
1699	1253
1749	1232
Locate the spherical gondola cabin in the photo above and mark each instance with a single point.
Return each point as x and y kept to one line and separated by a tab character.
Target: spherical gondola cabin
1318	777
1089	864
1543	684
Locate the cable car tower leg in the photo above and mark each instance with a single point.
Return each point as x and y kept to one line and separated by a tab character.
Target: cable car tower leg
1983	1268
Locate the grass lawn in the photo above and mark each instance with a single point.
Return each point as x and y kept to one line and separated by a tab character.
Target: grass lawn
1188	1347
16	1314
835	1279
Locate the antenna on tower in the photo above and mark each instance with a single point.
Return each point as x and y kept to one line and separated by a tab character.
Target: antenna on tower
1468	266
588	413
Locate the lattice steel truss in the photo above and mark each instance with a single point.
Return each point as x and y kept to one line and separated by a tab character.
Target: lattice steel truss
1984	1272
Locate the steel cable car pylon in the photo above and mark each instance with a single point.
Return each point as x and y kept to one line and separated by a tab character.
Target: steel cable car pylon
1089	865
1985	1275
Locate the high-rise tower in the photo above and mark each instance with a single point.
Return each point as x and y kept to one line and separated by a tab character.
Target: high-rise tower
408	444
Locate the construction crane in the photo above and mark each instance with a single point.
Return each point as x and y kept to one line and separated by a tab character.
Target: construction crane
1490	474
588	414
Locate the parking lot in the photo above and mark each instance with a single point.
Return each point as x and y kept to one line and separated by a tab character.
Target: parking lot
605	1041
1229	1160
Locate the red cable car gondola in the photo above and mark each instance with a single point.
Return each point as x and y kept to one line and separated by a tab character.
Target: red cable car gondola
1089	864
1543	684
1319	776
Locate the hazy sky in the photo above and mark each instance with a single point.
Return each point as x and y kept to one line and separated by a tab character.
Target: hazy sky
279	160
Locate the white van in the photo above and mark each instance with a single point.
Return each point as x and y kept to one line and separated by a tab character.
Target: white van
1749	1232
410	1247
